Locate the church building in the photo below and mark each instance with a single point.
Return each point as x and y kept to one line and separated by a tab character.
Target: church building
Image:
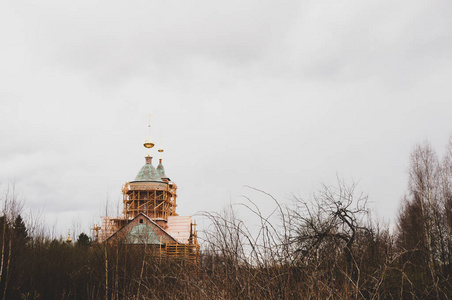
149	216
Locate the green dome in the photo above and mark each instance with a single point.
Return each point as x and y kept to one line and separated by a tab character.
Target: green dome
161	171
148	172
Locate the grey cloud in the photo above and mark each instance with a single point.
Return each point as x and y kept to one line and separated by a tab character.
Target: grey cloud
121	36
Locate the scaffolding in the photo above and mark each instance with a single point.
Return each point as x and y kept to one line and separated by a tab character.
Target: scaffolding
184	251
157	200
108	227
188	252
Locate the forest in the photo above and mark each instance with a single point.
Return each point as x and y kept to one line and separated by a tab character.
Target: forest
327	247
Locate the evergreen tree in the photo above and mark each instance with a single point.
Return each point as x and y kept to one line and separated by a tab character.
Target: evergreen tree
83	240
20	231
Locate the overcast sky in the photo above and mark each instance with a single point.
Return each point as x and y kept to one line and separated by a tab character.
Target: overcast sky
278	95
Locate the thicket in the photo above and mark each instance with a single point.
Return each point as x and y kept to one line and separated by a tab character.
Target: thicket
326	248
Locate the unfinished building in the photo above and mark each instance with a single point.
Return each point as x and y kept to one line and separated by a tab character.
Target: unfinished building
149	216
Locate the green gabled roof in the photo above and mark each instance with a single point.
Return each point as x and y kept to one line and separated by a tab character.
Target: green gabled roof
148	172
142	234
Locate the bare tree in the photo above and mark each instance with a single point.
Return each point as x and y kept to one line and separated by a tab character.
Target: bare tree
11	209
424	225
326	230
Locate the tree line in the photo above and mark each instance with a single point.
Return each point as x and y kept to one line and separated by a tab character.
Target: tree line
327	247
